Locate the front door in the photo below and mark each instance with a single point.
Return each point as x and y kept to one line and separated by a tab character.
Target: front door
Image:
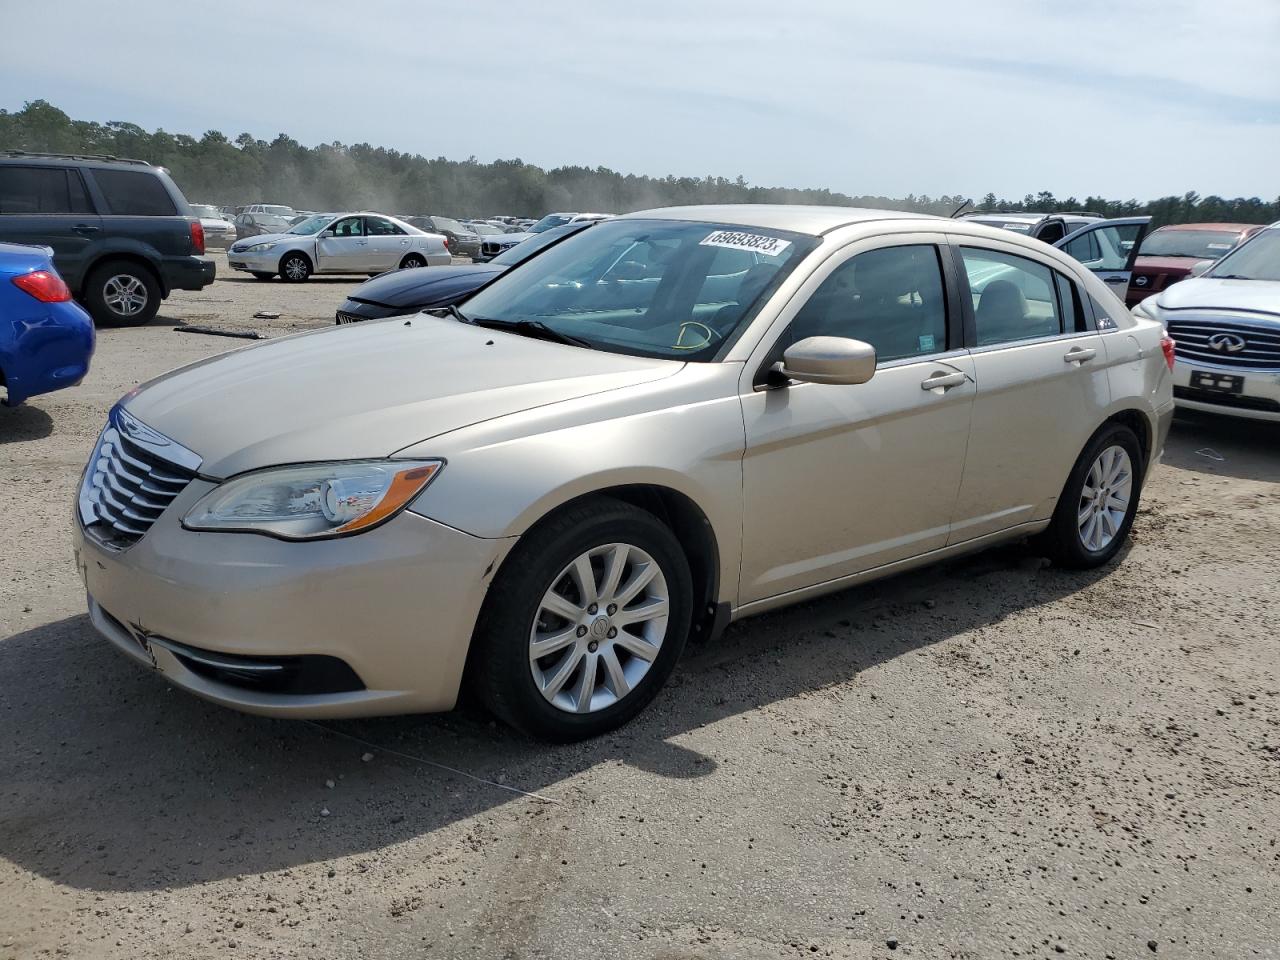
1108	248
840	479
343	247
1041	386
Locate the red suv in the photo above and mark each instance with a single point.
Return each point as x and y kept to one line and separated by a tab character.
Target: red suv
1169	253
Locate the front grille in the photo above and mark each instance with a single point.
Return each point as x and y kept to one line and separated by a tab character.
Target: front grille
342	316
133	475
1196	336
491	248
1227	399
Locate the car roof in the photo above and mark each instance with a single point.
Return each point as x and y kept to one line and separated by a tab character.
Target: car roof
85	160
1211	226
795	217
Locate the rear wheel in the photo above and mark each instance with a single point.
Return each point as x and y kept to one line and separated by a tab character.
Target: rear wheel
584	623
413	260
1098	503
122	293
259	275
295	267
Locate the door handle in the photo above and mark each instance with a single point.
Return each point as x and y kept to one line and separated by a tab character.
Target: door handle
85	228
362	242
1080	355
944	381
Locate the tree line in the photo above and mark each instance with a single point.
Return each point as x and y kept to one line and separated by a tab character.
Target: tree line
335	176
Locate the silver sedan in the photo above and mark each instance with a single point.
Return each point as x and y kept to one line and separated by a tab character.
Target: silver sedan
667	422
338	243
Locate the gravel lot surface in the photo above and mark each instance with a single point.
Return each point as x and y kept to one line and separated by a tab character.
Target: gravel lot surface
989	759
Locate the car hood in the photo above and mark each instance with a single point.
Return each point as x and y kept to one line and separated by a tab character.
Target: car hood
1166	264
366	391
268	238
423	286
507	239
1210	293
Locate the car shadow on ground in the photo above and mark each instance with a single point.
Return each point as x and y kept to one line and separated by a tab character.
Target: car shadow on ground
24	422
116	781
1224	446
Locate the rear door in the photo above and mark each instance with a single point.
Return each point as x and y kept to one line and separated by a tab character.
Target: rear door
1108	248
388	243
49	206
343	247
1042	385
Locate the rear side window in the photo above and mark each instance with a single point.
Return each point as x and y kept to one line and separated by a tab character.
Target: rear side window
1069	300
41	190
891	298
1013	298
134	193
378	227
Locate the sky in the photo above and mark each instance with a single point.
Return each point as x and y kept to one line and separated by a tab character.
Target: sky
1115	98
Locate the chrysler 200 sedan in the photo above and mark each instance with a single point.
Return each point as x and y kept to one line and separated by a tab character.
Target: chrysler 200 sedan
669	421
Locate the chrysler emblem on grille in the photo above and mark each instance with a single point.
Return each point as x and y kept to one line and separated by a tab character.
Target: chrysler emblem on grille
139	431
1227	342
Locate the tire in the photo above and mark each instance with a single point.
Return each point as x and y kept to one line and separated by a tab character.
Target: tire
502	667
1089	528
413	260
121	293
259	275
295	267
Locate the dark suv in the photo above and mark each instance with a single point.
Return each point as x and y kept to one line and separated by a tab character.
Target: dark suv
122	233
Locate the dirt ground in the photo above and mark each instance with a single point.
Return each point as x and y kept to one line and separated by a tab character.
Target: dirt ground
989	759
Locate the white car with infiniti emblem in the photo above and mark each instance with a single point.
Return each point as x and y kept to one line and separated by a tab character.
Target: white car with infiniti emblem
1226	323
338	243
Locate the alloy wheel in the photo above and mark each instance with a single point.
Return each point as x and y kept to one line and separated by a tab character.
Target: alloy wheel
125	295
295	268
1105	498
599	628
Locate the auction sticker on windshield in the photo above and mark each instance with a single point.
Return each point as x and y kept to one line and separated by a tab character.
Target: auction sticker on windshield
754	242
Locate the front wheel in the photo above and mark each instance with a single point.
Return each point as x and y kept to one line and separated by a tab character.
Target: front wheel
294	267
584	623
1098	503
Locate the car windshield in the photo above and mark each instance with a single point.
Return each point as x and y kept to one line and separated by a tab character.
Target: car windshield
312	225
522	251
1197	244
1258	259
206	212
445	223
487	229
265	220
278	210
551	220
655	288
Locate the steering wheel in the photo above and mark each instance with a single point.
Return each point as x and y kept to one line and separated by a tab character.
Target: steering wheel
709	336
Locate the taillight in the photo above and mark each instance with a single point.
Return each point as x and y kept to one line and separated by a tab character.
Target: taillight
197	237
1169	346
446	243
45	285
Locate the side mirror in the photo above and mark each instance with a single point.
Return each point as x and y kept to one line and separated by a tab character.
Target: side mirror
829	360
1201	267
326	234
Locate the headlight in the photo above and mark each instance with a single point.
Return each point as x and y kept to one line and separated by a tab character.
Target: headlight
314	501
260	247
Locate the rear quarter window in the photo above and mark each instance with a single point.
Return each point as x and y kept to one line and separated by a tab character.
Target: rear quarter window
134	193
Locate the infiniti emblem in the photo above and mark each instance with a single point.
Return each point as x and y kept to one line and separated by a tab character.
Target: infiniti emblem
1227	342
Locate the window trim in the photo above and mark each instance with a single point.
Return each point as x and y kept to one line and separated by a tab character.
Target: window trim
762	357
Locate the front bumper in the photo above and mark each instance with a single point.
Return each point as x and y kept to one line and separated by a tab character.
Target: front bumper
268	261
397	605
1259	400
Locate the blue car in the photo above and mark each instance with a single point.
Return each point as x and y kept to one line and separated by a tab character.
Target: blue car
46	338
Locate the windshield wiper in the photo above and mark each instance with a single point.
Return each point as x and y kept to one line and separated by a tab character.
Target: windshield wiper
531	328
1231	276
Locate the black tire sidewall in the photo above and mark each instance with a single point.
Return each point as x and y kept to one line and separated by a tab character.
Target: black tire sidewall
500	646
95	294
1064	533
291	256
420	262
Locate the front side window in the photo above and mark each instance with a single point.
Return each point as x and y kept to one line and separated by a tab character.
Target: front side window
1013	298
378	227
41	190
1104	248
135	194
349	227
891	298
671	289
